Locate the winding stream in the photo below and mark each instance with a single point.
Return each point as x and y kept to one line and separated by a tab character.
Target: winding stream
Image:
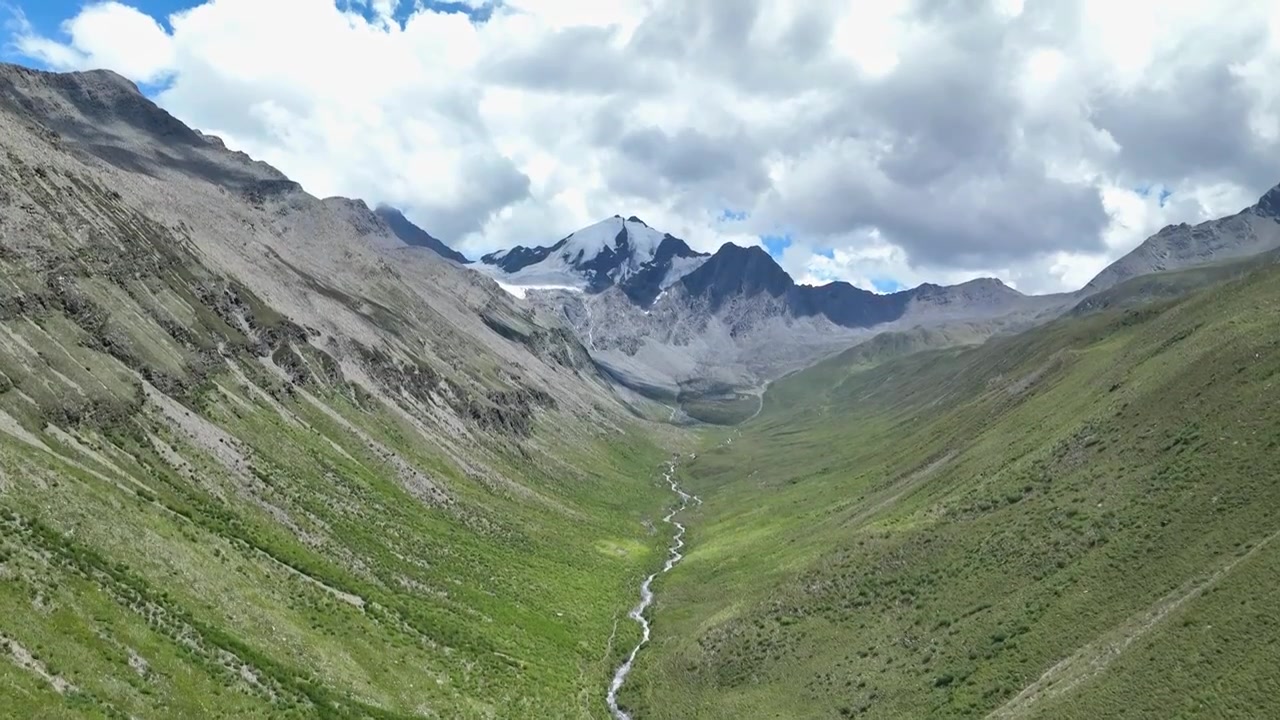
674	556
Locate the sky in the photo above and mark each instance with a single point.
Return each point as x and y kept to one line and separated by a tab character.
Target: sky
886	143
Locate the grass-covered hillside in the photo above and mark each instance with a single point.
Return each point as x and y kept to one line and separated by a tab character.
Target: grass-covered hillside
304	555
259	459
1075	522
254	464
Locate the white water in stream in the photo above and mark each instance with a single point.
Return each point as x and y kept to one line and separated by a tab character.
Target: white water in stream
674	556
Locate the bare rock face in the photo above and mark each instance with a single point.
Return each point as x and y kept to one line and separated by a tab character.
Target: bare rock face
102	186
101	114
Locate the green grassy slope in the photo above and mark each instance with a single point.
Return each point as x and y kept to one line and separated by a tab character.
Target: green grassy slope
268	547
1072	522
497	606
724	409
209	510
263	538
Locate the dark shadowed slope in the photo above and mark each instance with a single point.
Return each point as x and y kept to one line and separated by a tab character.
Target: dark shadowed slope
415	236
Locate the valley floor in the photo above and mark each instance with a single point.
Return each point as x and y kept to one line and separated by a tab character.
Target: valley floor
1076	522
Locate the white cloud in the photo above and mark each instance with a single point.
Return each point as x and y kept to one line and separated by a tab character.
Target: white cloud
905	140
106	34
870	35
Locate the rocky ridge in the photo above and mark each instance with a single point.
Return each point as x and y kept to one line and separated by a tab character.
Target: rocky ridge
1253	230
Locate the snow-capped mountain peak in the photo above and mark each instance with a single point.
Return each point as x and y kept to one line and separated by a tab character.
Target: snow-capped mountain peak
625	253
633	241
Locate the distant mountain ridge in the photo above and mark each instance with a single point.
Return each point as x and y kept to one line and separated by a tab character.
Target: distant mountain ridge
736	270
642	262
415	236
662	318
606	254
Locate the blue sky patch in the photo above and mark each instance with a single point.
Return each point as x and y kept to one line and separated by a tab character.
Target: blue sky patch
1148	190
828	253
885	285
775	244
46	16
151	90
408	7
477	15
728	215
